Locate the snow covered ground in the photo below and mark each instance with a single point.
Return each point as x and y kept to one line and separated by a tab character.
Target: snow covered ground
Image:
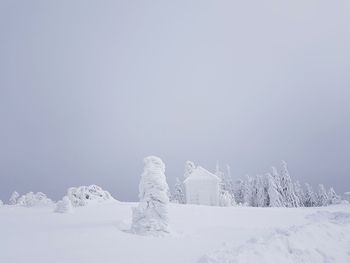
199	234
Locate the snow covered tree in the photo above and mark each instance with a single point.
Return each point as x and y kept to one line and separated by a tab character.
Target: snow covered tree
34	199
85	195
179	193
275	198
333	198
322	198
1	203
238	191
261	191
290	199
310	196
299	192
64	206
248	191
225	199
13	198
226	185
151	215
189	168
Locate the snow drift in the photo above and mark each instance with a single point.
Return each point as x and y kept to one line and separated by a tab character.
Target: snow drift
325	239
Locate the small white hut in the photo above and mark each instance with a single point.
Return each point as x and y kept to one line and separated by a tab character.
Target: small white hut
202	187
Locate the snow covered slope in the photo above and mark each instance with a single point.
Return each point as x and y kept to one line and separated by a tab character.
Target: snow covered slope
199	234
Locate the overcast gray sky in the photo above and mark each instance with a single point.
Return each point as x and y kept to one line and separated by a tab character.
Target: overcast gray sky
87	89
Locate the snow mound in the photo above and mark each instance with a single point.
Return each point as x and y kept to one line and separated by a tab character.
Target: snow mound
325	239
34	199
85	195
64	206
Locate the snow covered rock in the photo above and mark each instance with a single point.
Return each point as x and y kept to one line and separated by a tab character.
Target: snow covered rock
34	199
85	195
64	206
151	215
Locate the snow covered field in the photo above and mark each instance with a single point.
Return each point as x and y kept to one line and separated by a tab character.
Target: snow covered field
199	234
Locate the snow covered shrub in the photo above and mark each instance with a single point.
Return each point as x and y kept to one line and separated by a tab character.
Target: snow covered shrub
84	195
151	215
34	199
64	206
13	198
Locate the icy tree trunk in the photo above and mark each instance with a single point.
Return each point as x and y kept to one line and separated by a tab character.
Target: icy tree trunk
151	216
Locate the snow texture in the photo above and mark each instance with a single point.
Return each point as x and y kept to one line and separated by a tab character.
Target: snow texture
151	215
325	239
85	195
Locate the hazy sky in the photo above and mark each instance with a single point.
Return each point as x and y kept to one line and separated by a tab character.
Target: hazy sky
88	88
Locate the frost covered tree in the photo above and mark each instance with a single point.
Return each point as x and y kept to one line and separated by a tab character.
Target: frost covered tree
13	198
322	197
34	199
248	191
290	199
179	193
189	168
309	197
225	199
151	215
261	190
275	198
299	192
238	191
64	206
333	198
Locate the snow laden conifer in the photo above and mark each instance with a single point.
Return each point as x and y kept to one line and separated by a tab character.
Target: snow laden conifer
290	199
179	193
309	197
238	191
299	192
261	190
226	195
333	198
275	198
14	197
151	215
322	197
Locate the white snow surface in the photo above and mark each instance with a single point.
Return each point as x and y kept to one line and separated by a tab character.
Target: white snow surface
96	233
